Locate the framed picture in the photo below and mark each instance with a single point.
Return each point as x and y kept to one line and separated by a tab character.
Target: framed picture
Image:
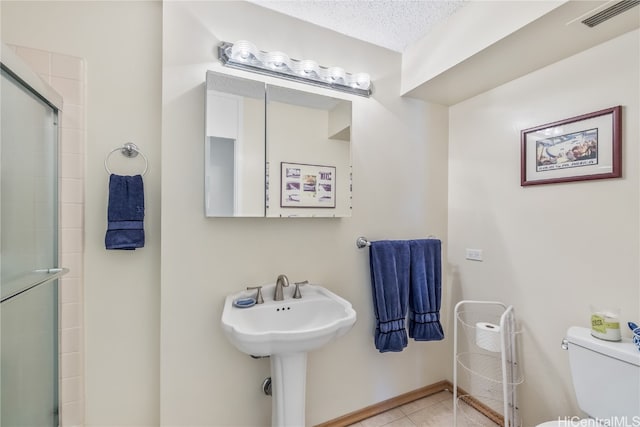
307	186
581	148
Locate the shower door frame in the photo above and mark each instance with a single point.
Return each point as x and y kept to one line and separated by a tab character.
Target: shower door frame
22	76
13	65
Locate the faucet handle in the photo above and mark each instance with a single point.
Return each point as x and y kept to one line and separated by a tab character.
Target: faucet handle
259	299
296	291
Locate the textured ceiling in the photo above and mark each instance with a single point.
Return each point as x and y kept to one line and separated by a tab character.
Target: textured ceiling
392	24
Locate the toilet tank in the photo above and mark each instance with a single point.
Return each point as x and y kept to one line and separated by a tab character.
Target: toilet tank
606	377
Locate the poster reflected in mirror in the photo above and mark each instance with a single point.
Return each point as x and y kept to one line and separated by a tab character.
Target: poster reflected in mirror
307	186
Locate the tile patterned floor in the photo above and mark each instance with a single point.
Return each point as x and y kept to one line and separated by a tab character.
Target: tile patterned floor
431	411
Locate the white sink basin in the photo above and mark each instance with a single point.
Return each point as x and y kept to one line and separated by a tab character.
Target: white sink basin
286	330
288	326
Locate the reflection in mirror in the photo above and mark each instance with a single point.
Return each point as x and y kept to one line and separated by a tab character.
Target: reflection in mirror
308	153
234	147
306	169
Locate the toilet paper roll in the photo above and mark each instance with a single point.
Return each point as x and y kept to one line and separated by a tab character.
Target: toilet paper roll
606	326
488	336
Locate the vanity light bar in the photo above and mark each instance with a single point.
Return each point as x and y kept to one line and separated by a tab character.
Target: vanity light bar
244	55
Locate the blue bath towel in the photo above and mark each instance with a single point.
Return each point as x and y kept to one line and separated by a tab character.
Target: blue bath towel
389	262
425	290
125	213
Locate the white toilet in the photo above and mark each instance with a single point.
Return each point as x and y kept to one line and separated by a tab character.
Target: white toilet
606	380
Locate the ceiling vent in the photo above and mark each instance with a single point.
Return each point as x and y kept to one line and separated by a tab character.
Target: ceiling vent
610	12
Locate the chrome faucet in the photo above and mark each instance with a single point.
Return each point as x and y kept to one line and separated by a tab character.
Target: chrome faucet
280	282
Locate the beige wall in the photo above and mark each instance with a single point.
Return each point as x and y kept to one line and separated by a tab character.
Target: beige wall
399	185
550	250
121	45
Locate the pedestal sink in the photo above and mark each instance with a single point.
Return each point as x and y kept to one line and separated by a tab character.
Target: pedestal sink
286	330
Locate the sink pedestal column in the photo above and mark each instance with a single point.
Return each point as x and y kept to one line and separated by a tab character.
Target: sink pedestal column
288	381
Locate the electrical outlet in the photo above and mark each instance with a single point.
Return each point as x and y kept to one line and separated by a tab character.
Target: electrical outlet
474	254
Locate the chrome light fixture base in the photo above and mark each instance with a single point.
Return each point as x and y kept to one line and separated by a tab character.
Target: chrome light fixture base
243	55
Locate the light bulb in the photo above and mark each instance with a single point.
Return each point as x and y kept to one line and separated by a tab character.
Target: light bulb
277	60
244	51
361	81
306	68
336	75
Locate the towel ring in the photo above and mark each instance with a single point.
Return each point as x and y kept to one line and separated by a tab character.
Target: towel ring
128	150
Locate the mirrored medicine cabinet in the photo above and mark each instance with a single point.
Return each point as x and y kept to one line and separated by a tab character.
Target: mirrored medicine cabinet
273	151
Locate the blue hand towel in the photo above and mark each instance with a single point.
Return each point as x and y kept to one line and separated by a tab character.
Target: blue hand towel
425	290
125	213
389	262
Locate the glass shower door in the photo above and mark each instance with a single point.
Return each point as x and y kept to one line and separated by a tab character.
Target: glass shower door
28	257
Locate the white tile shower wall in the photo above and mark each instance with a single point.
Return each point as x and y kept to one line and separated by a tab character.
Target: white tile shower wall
66	75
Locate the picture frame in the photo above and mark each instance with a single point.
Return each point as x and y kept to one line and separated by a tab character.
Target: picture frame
307	186
580	148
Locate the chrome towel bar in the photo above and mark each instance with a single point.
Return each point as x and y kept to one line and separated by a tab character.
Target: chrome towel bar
363	242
